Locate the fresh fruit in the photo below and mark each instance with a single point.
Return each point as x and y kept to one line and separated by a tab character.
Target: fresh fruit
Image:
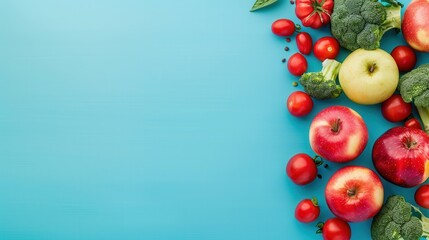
404	57
307	210
415	25
299	103
401	156
302	169
335	229
326	48
413	123
304	42
354	193
314	13
338	134
394	109
369	76
421	196
283	27
297	64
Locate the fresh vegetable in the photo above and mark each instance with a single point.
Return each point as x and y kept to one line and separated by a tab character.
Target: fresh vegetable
335	229
394	109
421	196
414	87
354	193
362	23
369	76
323	84
398	219
338	134
401	156
297	64
307	210
404	57
413	123
314	13
415	25
283	27
304	42
261	4
302	169
326	47
299	103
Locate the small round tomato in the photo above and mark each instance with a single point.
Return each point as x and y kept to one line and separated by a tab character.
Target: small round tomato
301	169
405	58
394	109
422	196
307	210
299	103
326	48
336	229
297	64
304	42
413	123
283	27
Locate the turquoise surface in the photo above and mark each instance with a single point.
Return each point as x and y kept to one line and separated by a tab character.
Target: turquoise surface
139	119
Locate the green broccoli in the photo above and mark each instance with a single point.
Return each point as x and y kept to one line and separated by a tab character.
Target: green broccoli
323	85
414	86
362	23
399	220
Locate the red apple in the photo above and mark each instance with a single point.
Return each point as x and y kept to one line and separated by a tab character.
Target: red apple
414	25
401	156
354	193
338	134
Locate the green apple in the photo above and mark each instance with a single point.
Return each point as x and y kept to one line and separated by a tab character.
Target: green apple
369	76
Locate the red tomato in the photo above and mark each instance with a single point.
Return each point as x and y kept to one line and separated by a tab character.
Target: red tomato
283	27
307	210
299	103
336	229
413	123
422	196
394	109
301	169
297	64
304	42
326	47
404	57
314	13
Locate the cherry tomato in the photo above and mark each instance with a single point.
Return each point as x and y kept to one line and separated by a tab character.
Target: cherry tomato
336	229
326	47
394	109
283	27
297	64
299	103
404	57
307	210
422	196
301	169
304	42
413	123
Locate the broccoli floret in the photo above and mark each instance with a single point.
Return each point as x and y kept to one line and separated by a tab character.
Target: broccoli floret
414	86
367	19
400	220
323	84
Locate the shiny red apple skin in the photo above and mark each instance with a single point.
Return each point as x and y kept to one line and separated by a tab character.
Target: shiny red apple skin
338	134
354	193
401	156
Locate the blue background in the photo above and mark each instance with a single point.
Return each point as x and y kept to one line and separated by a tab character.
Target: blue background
137	119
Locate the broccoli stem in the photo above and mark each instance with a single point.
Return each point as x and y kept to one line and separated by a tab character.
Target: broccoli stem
330	68
424	116
424	221
393	18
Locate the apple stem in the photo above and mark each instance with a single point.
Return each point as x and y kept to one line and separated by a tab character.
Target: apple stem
372	67
335	127
409	143
351	192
